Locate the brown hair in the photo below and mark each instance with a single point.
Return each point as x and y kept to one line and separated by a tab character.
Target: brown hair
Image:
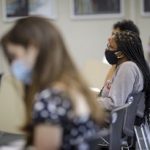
53	63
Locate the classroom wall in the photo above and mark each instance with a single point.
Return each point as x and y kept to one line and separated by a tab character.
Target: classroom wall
87	39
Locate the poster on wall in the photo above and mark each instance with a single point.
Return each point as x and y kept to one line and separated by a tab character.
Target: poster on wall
145	7
14	9
88	9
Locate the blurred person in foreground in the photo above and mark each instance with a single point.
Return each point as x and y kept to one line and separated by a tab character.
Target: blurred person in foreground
61	112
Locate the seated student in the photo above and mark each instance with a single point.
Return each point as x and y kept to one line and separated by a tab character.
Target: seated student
131	75
61	111
120	26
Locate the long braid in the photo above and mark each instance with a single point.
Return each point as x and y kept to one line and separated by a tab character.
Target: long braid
131	46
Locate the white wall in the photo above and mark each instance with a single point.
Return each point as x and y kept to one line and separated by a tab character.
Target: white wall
143	24
86	39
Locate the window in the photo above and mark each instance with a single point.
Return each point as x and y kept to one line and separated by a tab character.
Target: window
88	9
14	9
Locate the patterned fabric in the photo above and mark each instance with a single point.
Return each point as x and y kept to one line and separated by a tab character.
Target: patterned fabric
54	107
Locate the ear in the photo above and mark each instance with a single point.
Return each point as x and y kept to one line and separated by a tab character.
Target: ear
32	52
31	48
119	54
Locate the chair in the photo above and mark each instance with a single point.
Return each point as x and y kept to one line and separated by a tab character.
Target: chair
93	142
142	131
122	126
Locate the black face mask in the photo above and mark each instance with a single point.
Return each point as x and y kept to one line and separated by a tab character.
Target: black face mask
111	56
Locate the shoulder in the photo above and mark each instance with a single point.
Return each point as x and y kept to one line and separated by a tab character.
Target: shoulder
51	106
129	70
50	93
52	97
129	66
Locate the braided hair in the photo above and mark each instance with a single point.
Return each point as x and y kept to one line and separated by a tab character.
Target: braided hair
130	44
125	25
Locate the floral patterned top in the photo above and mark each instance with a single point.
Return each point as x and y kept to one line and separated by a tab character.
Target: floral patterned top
54	107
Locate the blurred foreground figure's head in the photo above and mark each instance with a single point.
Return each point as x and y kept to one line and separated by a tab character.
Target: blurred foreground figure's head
39	58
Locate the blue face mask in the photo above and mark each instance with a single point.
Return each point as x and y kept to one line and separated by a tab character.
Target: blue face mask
21	71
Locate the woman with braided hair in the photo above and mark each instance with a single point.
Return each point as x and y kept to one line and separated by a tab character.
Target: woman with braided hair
131	75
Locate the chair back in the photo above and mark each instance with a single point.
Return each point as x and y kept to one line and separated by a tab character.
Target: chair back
116	129
131	113
123	119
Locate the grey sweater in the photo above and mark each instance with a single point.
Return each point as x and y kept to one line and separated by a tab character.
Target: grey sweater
126	80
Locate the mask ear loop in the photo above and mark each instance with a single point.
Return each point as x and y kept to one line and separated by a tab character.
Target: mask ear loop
119	54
